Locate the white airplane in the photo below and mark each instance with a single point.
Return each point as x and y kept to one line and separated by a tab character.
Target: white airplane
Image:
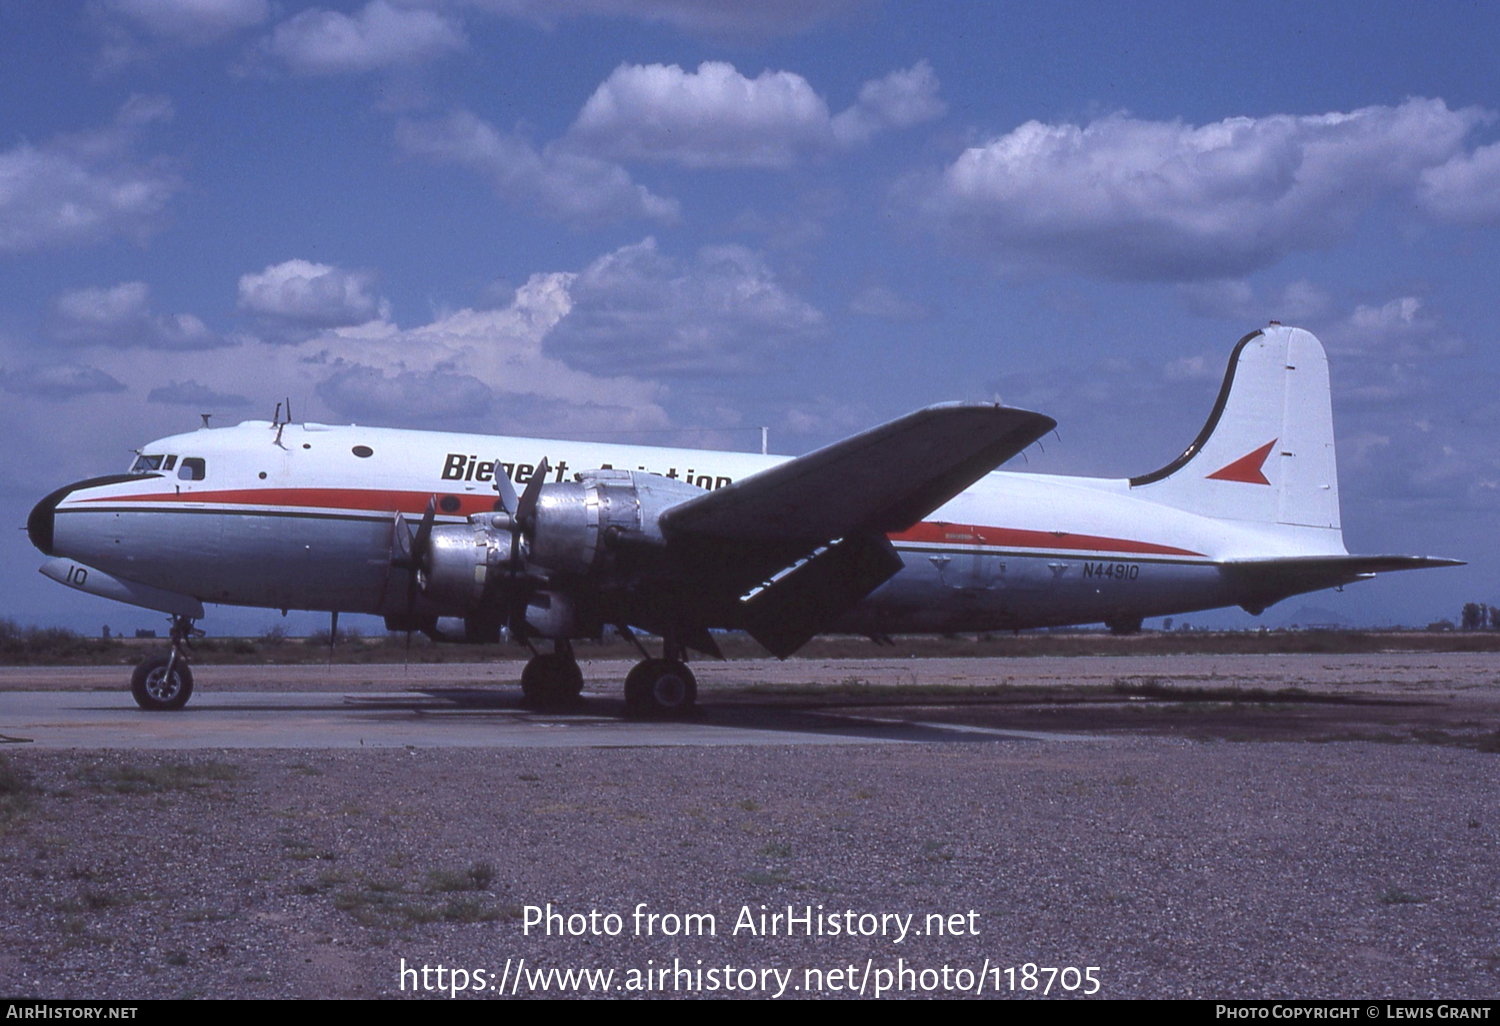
903	528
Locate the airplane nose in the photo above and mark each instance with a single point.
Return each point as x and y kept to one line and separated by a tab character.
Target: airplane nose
39	526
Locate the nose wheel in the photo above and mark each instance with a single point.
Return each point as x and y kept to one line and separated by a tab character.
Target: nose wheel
164	683
662	688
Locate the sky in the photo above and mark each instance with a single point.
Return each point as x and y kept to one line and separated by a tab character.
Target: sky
676	221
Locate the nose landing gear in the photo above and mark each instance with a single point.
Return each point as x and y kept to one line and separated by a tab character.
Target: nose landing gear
164	683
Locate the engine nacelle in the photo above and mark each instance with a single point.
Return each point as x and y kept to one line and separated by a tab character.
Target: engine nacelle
465	562
574	518
468	566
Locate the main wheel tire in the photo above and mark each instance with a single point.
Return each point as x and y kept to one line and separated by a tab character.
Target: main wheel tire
660	687
155	691
551	681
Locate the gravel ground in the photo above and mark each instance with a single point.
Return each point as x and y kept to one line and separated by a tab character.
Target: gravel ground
1180	868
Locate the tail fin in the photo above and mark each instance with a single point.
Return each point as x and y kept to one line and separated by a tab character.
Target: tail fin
1266	454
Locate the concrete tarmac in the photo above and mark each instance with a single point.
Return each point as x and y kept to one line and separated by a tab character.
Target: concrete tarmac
762	702
451	718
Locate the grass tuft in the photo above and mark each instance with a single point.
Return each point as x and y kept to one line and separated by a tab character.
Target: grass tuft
154	779
476	878
1396	896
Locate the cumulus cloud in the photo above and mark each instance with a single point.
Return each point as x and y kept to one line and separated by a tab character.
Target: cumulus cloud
475	370
900	100
424	397
1466	189
191	393
1299	302
379	35
87	186
721	313
297	298
716	117
192	22
478	366
1399	329
1149	200
1394	329
732	19
136	30
58	381
565	184
121	316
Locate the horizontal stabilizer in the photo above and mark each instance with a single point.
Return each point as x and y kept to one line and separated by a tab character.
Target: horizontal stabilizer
1259	583
880	481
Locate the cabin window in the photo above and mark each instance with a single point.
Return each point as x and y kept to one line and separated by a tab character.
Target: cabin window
193	469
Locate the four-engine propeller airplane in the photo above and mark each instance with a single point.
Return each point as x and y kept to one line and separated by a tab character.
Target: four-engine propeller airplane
903	528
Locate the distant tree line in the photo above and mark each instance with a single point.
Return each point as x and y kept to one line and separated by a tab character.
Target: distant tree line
1478	616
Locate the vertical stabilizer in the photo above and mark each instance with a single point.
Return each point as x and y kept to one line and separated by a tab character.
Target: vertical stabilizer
1266	453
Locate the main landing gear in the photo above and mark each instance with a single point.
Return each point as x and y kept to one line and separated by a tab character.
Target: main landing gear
660	687
655	688
164	683
552	680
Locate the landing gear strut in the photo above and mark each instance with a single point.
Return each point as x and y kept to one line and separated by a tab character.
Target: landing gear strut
164	683
552	680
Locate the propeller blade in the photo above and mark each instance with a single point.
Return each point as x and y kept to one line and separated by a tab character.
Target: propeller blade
526	508
508	500
419	547
523	521
420	543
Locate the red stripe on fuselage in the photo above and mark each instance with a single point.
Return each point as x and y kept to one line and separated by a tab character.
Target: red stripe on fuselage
375	500
1015	538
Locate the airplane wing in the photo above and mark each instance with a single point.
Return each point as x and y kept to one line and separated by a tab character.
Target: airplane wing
882	480
788	550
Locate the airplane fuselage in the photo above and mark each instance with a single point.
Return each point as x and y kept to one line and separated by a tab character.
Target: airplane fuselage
301	517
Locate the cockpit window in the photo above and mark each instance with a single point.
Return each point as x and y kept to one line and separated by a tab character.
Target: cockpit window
193	469
146	464
171	462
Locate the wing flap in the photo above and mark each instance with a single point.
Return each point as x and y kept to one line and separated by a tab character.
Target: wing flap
788	612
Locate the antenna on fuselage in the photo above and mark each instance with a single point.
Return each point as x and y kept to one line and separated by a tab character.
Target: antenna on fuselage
205	417
279	423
